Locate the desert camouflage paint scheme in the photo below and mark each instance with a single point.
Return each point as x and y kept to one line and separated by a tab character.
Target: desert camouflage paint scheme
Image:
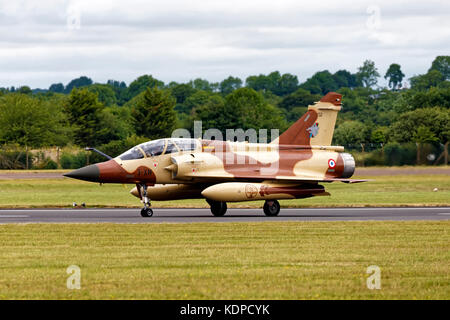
290	167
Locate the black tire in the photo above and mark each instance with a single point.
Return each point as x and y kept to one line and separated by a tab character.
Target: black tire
271	208
146	212
218	208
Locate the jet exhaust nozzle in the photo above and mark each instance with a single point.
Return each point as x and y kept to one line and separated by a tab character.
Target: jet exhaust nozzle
349	165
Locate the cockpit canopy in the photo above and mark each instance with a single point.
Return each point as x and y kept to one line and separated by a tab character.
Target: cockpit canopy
158	147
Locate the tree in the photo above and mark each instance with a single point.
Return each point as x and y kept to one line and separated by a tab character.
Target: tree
199	98
247	109
350	133
202	84
379	135
431	98
432	78
287	84
257	83
32	122
296	103
423	135
214	86
105	93
395	75
141	84
208	109
229	85
442	64
367	74
117	84
436	120
355	101
153	115
57	88
321	82
274	82
24	90
345	79
85	116
120	90
244	109
181	92
78	83
117	122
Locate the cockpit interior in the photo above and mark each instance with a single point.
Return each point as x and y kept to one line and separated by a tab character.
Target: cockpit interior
159	147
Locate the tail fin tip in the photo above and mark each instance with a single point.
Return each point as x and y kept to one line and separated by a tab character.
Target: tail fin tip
332	97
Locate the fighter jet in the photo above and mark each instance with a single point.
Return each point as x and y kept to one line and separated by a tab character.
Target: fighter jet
293	166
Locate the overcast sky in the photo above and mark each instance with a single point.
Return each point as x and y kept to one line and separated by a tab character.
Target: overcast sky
46	41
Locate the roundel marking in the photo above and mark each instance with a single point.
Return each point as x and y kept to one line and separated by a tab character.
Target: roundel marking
250	191
331	163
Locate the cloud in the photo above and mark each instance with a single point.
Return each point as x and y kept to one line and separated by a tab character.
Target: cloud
55	41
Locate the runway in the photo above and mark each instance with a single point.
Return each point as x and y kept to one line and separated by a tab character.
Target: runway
204	215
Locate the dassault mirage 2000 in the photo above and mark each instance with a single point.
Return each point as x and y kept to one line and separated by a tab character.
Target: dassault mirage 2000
290	167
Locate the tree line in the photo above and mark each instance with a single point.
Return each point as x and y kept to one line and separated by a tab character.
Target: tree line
114	115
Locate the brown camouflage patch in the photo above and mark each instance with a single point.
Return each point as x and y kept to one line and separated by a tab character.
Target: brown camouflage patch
112	172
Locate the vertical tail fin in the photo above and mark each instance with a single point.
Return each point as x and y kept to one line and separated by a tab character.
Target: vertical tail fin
316	126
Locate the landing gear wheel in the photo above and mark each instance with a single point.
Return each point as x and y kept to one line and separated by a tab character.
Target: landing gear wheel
218	208
146	212
271	208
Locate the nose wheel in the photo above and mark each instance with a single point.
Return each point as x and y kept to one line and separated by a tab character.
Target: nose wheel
271	208
146	211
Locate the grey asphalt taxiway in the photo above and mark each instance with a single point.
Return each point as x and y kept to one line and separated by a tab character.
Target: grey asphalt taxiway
204	215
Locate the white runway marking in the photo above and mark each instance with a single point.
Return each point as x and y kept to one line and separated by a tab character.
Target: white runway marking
13	216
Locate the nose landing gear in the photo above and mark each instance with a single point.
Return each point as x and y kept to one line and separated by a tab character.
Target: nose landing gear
146	211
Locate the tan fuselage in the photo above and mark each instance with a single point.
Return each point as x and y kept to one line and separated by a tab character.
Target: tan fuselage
216	171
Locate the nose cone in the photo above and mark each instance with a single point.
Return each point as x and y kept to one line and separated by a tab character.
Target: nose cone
88	173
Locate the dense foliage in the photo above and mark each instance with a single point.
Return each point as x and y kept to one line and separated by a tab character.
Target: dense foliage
85	113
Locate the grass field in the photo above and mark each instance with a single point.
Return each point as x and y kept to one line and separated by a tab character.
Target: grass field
386	190
284	260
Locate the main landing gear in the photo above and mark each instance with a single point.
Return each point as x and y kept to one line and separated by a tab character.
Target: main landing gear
271	208
146	211
218	208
